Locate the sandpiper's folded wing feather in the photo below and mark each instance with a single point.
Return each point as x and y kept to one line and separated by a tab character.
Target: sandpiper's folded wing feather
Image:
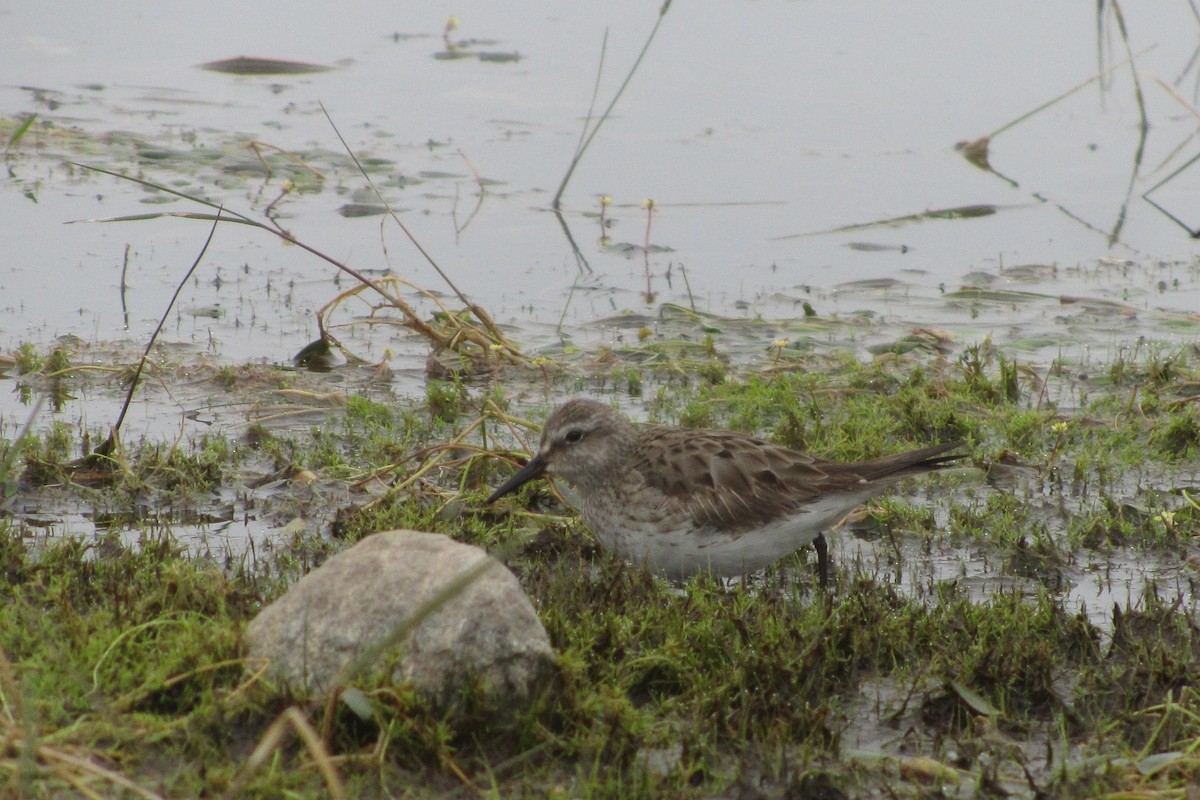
733	482
727	481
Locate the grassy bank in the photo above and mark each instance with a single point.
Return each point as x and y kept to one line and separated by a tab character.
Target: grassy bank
955	654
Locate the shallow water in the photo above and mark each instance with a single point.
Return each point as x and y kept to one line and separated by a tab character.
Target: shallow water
747	123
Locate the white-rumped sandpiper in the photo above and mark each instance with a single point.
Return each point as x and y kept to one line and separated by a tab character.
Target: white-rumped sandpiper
684	501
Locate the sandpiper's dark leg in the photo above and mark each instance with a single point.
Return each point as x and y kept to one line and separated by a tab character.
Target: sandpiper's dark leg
822	548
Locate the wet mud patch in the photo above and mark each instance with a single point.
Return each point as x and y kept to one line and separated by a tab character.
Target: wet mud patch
1014	709
205	464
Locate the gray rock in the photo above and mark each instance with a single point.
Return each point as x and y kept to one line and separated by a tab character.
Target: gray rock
361	604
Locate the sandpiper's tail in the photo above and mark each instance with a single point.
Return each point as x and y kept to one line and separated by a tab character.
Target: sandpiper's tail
911	462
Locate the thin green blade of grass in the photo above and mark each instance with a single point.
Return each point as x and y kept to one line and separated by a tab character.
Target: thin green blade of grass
7	483
444	595
976	150
957	212
110	444
20	132
587	140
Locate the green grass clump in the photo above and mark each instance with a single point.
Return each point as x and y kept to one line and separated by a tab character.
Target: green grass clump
119	654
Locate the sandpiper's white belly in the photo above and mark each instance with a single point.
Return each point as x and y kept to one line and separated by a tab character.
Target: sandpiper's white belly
672	546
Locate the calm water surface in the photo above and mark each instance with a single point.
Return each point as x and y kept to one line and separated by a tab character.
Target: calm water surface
749	124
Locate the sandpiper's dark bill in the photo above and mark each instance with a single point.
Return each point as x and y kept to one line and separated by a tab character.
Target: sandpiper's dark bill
532	470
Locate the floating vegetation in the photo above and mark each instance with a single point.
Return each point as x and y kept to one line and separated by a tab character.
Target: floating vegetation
246	65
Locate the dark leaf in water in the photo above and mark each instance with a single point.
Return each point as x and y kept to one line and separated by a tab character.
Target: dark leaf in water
872	247
973	699
960	212
316	356
500	57
977	152
362	210
871	283
245	65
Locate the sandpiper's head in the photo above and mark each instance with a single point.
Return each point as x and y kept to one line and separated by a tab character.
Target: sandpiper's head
583	442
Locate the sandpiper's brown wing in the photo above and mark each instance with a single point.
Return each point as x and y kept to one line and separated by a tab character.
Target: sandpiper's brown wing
731	481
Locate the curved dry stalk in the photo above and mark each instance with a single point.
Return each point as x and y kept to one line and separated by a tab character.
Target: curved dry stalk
87	767
130	699
438	452
435	455
496	341
257	147
444	595
273	740
458	229
8	458
976	151
498	337
451	332
411	320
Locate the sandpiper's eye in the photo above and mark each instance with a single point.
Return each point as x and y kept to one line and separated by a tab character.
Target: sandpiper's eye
573	436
